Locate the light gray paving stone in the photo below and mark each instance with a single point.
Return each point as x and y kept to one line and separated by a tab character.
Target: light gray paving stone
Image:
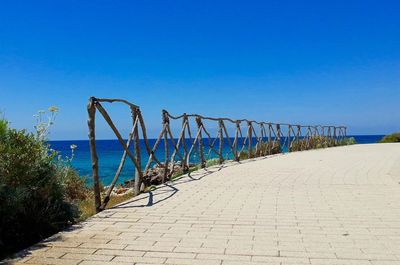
152	260
52	261
87	257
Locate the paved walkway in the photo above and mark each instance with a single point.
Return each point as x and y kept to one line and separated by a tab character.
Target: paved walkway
331	206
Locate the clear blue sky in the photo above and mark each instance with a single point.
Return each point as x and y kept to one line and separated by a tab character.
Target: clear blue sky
330	62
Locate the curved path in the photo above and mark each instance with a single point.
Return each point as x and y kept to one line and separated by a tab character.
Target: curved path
332	206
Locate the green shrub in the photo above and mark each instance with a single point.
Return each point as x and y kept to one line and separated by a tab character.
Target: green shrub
74	186
3	127
298	145
266	148
347	141
37	191
212	162
243	155
391	138
262	149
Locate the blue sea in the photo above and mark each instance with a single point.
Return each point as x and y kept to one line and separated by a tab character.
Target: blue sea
110	152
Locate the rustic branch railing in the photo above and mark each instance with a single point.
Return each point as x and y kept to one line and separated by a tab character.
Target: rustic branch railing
249	139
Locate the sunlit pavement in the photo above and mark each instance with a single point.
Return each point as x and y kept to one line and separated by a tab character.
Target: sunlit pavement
332	206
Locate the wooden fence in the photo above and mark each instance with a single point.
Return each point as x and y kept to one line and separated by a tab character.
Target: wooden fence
244	139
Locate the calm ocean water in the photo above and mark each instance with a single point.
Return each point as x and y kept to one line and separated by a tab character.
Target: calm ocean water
110	152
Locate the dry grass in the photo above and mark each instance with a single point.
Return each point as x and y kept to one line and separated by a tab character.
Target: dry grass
86	207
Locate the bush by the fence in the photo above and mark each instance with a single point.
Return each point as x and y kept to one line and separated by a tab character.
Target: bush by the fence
391	138
36	191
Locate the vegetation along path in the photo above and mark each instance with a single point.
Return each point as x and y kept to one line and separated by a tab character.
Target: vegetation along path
330	206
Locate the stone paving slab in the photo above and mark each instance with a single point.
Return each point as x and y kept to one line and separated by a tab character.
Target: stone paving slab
336	206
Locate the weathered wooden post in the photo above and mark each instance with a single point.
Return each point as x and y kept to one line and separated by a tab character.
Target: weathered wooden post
138	179
329	136
335	136
221	140
289	140
309	137
278	136
250	138
314	137
323	136
91	108
265	141
269	139
185	166
166	150
200	142
298	142
261	145
236	141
